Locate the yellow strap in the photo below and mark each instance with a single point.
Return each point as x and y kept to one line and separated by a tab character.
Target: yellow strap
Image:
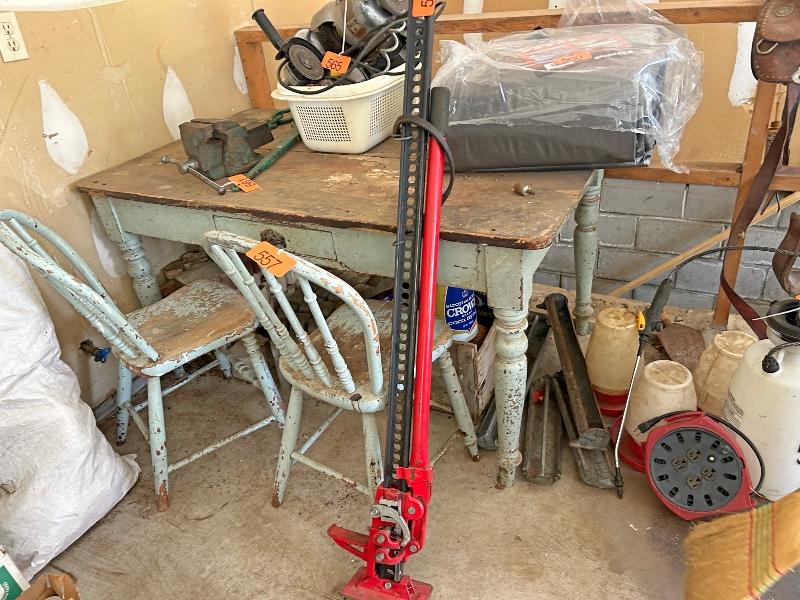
762	571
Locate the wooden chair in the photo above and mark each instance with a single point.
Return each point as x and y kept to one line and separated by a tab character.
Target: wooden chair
343	362
199	318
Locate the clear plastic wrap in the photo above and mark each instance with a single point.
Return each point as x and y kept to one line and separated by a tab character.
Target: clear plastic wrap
617	67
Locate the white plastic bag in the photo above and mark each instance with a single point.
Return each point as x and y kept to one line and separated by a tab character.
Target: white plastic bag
58	474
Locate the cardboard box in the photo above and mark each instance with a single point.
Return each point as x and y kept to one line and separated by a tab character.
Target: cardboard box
52	586
12	583
474	362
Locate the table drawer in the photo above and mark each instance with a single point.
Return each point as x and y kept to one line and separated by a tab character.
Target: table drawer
305	241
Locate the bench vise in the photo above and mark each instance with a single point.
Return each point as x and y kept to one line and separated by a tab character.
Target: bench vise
223	147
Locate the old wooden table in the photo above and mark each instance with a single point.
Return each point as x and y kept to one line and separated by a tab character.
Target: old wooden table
340	211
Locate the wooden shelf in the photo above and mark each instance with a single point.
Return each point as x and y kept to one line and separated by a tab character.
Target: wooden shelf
682	13
706	173
702	173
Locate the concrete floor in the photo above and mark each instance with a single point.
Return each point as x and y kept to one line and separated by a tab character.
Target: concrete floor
222	538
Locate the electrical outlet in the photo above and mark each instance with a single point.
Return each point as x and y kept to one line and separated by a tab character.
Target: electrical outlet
12	46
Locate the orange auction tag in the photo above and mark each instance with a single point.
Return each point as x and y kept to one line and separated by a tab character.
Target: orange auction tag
273	259
335	63
581	56
244	183
423	8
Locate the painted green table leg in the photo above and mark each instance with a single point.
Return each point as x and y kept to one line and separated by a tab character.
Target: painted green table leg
139	268
586	216
509	284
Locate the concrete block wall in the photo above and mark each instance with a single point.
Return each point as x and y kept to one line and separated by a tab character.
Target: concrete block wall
645	223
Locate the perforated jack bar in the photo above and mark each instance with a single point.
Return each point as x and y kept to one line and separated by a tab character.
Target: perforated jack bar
410	207
399	514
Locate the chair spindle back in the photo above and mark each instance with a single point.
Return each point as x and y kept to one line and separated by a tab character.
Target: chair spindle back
86	294
225	247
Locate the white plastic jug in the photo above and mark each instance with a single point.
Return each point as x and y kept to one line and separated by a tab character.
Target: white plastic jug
661	387
611	356
766	407
715	369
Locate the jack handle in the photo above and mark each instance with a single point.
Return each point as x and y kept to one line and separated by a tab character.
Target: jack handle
191	166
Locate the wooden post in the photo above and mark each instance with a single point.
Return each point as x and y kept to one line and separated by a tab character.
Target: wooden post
753	157
255	71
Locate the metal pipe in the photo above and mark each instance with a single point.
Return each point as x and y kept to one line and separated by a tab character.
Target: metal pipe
419	456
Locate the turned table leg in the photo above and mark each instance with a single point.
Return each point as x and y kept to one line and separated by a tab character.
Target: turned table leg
139	268
586	216
510	369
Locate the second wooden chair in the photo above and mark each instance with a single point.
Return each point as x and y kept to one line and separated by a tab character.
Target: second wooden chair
343	362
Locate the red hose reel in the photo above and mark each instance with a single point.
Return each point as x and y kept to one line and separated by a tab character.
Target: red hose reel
695	466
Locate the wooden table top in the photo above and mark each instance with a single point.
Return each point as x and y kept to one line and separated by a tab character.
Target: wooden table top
357	191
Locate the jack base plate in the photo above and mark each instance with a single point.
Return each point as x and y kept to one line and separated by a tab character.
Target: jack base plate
366	587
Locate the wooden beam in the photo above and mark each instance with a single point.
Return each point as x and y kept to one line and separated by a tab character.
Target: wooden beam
682	13
705	245
255	72
753	157
700	173
787	179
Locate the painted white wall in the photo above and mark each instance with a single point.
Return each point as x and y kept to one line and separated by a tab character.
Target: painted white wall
176	104
238	71
37	5
63	133
742	88
107	251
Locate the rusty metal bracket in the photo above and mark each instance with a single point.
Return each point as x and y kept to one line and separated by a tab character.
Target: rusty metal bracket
592	432
593	466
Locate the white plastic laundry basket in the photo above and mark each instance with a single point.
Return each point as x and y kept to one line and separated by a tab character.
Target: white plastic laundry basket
347	119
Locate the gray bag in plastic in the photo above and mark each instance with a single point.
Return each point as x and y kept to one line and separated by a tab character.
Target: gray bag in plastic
613	80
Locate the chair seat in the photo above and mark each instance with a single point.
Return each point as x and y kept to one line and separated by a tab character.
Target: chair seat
346	330
185	323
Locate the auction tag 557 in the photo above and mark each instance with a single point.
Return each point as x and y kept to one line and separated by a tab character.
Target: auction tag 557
273	259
